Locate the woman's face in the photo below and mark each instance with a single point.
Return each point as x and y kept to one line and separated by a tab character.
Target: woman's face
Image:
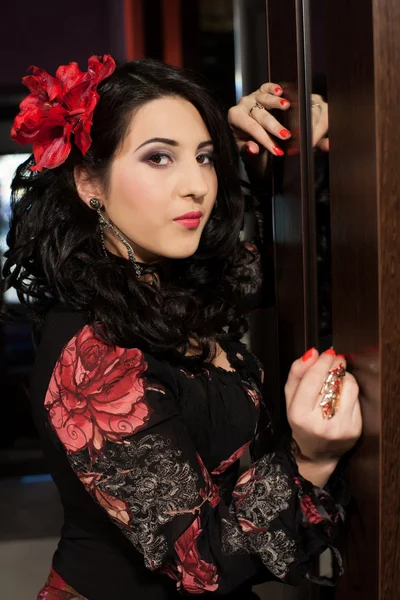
162	185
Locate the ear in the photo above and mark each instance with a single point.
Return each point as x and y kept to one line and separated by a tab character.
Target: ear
87	186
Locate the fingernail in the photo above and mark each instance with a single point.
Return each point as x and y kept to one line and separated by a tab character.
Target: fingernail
341	356
284	102
277	89
251	150
331	352
278	151
284	133
307	355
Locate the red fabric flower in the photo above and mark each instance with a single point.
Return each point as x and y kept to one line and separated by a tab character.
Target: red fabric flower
96	393
58	107
197	575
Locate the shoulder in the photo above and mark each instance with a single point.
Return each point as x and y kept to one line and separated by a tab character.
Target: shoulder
77	350
100	392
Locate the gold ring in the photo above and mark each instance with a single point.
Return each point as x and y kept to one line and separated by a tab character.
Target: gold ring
331	390
257	105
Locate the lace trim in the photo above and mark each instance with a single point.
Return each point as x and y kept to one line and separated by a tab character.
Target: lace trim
152	492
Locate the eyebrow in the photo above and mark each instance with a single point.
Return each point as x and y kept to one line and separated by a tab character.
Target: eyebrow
172	143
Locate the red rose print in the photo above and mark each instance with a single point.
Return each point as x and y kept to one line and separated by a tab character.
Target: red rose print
58	107
197	576
231	460
96	393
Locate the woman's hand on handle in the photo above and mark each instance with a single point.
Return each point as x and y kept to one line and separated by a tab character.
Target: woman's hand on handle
253	126
321	441
256	129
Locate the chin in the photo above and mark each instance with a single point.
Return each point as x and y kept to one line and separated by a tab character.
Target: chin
182	251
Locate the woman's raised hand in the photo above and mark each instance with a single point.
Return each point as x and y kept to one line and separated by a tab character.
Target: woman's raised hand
255	128
319	439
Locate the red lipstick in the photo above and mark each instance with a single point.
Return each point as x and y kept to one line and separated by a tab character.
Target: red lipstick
190	220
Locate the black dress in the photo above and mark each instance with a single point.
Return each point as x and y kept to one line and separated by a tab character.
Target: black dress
145	455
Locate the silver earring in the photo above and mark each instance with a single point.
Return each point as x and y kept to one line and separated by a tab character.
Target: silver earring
95	204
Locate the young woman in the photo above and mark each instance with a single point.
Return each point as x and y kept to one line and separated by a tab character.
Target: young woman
124	244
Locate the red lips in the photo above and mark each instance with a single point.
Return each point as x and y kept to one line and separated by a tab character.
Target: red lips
190	215
190	220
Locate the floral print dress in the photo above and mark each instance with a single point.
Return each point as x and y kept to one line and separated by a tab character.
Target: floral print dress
145	454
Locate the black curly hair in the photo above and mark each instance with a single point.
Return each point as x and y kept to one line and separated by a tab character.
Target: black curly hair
55	253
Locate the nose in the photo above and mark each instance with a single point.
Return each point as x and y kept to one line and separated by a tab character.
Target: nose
193	182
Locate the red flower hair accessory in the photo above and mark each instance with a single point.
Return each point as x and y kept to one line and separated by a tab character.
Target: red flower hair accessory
58	107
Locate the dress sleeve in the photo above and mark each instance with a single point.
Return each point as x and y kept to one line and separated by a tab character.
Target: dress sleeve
115	412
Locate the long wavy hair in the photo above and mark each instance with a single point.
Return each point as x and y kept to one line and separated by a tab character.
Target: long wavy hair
55	254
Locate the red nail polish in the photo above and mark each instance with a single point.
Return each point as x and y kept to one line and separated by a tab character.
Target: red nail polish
284	102
278	151
341	356
251	150
284	133
277	90
331	352
307	355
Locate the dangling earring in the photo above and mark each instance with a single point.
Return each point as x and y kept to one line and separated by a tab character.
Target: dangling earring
95	204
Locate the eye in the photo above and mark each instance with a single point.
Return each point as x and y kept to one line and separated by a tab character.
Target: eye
159	159
206	159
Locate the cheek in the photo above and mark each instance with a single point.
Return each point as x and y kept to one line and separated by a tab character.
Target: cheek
135	191
212	187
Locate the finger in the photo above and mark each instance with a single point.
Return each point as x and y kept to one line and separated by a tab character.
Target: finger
270	124
271	88
356	418
269	101
324	145
297	372
310	386
348	395
272	102
252	148
242	123
255	130
242	146
320	123
348	385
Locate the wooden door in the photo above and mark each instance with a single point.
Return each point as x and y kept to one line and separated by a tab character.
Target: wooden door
363	51
362	46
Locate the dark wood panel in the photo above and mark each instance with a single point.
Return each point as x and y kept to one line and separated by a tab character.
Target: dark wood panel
386	18
354	238
364	106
